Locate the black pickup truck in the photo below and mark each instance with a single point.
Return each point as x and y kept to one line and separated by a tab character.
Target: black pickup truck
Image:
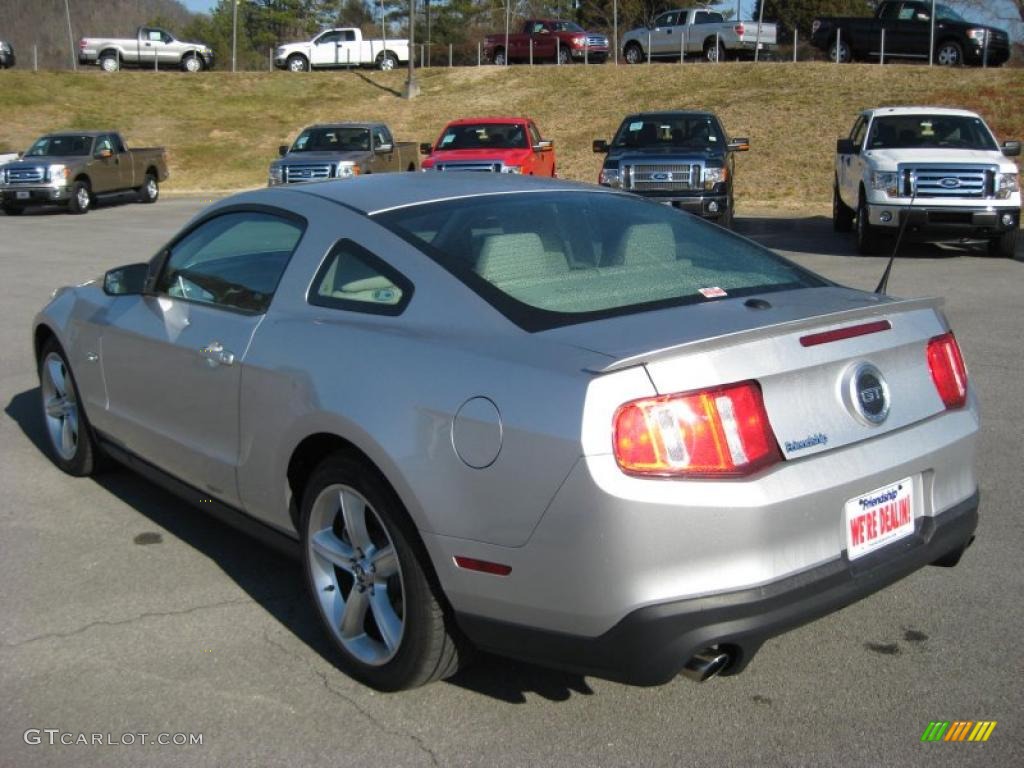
683	159
908	34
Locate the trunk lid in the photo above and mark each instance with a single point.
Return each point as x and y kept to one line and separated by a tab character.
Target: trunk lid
813	389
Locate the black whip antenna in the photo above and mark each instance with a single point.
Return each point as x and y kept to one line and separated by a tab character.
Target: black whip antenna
884	282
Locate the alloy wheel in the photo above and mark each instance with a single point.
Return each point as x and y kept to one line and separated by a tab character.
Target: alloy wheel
60	407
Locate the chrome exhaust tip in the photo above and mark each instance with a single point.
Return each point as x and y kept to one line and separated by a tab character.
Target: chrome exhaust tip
705	664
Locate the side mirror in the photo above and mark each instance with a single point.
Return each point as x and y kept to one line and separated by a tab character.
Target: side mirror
845	147
129	280
738	145
425	148
383	149
282	150
601	146
105	154
1011	148
21	155
544	146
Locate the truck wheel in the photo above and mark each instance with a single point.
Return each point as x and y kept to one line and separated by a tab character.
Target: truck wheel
13	210
867	236
499	57
949	54
634	54
192	63
564	55
73	445
81	198
1006	246
844	53
109	63
150	190
714	53
297	63
842	214
387	61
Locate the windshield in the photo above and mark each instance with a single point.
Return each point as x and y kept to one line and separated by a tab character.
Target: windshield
945	13
566	26
647	131
484	136
332	139
930	131
60	146
546	259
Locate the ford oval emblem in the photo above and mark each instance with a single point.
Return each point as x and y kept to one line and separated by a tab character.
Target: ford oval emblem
661	176
950	182
867	394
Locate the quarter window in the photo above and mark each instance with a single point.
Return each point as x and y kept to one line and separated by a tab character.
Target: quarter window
234	260
352	278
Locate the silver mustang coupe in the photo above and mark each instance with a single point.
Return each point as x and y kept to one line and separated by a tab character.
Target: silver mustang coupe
552	421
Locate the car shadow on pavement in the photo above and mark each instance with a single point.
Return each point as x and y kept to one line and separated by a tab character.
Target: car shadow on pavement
814	235
107	201
274	580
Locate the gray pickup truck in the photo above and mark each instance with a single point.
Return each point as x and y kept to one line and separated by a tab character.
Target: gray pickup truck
73	168
342	151
683	159
151	47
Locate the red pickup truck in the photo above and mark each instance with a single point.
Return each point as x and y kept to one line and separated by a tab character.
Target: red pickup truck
553	40
494	144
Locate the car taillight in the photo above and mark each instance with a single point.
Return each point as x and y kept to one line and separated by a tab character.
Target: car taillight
720	432
948	370
82	43
739	29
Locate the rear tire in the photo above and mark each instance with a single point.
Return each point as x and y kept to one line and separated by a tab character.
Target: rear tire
73	446
81	198
633	54
1005	247
712	53
371	580
109	63
868	239
387	61
842	214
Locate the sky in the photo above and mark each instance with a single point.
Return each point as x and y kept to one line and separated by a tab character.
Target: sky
1001	11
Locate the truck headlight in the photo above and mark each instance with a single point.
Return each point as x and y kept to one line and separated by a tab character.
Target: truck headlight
610	177
579	41
276	175
977	34
887	182
58	175
346	171
1006	185
714	176
517	169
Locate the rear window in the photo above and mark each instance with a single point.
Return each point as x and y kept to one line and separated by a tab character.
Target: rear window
547	259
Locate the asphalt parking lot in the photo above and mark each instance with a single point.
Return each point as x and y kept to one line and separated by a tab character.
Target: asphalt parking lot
125	611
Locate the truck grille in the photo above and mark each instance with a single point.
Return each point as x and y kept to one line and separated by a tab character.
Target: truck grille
662	178
24	175
597	41
948	181
295	173
488	166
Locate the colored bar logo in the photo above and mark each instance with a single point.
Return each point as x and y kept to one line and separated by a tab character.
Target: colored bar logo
958	730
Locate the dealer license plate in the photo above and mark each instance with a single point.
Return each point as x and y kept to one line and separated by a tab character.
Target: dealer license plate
879	518
22	194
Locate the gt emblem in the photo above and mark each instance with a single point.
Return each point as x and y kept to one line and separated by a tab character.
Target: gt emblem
866	394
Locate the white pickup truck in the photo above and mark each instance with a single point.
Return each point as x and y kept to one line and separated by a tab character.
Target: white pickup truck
700	32
341	47
938	172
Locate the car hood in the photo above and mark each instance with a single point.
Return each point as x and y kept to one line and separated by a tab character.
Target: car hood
38	160
647	335
890	158
676	153
312	157
476	155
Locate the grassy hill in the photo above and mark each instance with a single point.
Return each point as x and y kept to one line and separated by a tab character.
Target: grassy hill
221	130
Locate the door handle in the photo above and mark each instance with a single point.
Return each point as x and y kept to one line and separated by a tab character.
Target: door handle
215	354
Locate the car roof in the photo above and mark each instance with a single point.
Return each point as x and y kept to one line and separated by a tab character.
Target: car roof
92	134
343	125
499	119
375	193
878	111
672	113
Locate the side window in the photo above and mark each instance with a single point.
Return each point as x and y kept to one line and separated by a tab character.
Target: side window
380	136
234	260
666	20
354	279
154	36
701	17
890	11
715	18
117	143
348	36
103	142
859	129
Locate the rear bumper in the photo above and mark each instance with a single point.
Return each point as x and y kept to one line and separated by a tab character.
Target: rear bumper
651	645
34	195
932	223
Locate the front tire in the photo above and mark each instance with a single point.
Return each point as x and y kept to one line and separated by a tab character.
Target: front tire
840	49
1005	247
634	54
564	55
72	444
499	57
297	63
371	580
81	198
949	54
13	210
149	192
192	64
868	239
842	214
